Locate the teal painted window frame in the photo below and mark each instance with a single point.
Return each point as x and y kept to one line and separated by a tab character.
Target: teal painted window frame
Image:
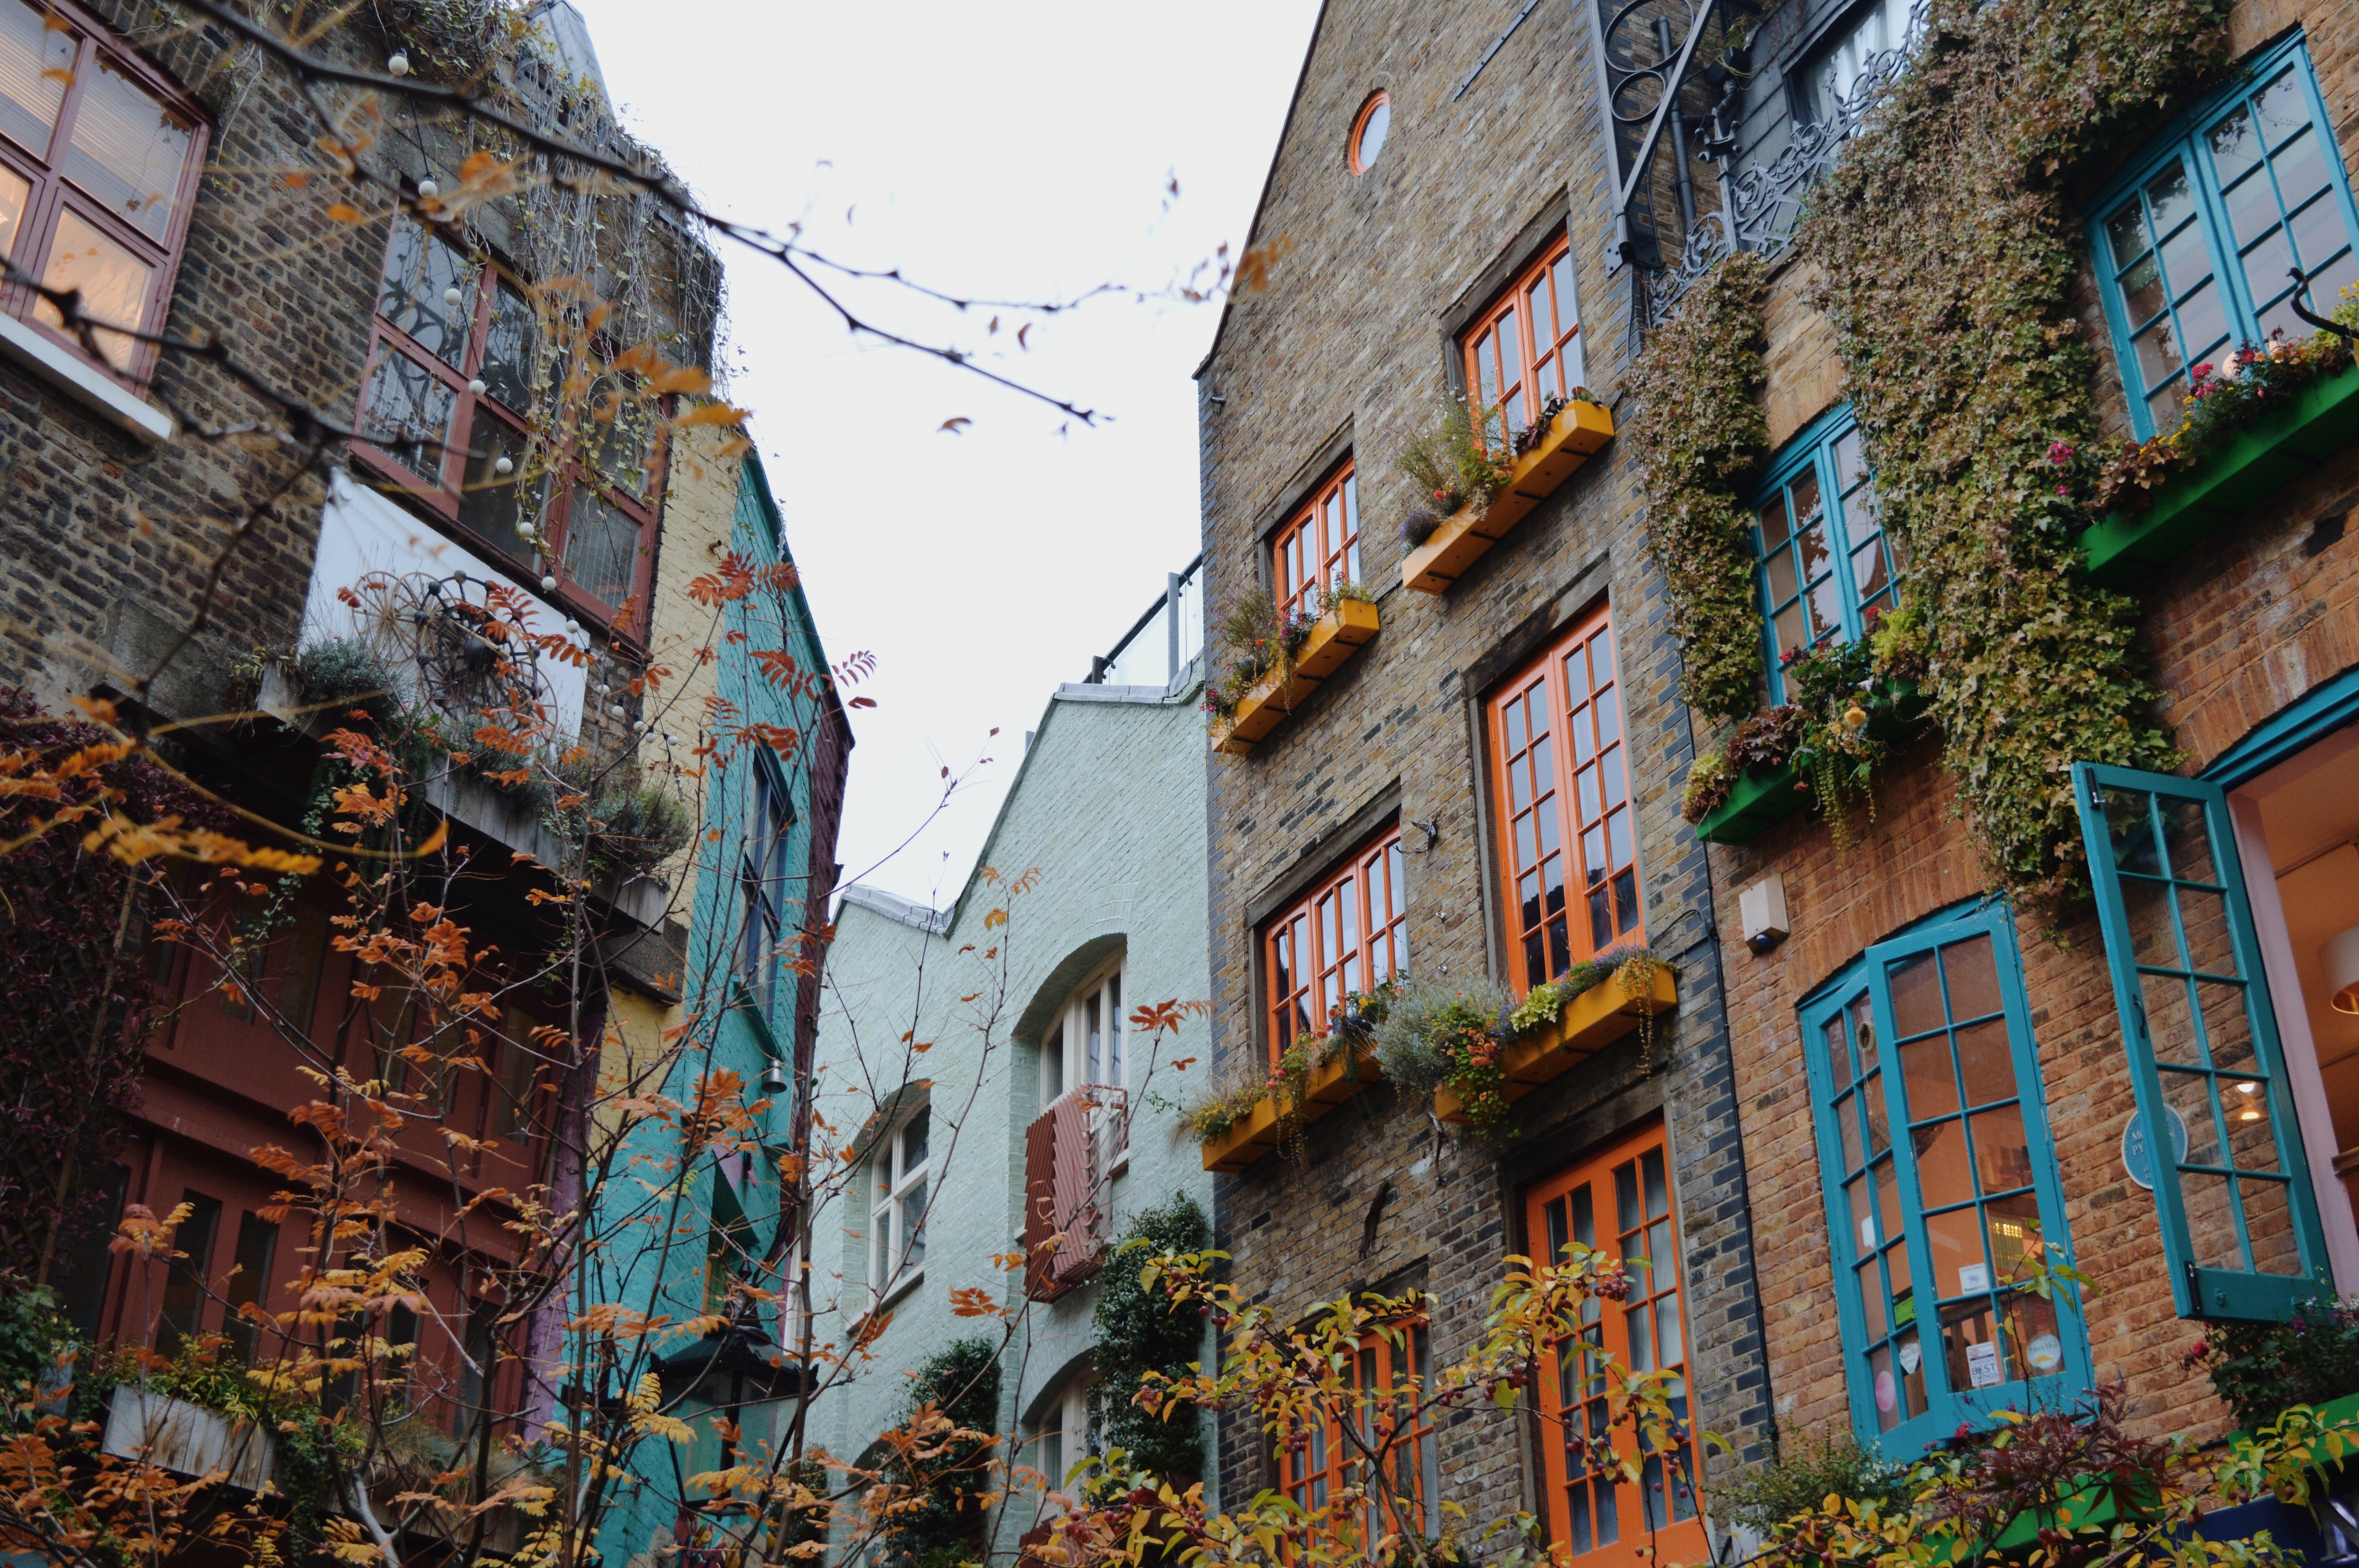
2199	1289
1813	452
765	866
1947	1407
2185	140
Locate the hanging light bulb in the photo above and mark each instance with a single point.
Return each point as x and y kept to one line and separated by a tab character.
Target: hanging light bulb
548	585
572	627
429	189
477	387
397	63
503	465
451	297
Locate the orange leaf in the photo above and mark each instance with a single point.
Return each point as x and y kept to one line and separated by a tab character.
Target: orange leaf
346	212
711	413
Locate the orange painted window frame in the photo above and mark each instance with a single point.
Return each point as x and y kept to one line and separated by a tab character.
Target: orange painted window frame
1526	346
1567	827
1320	544
1619	1200
1354	941
1312	1475
1377	100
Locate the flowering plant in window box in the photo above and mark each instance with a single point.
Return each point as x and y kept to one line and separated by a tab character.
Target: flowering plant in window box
1850	702
1478	495
1280	658
2256	419
1242	1121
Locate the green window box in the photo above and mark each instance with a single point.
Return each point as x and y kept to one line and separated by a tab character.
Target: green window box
2233	477
1760	800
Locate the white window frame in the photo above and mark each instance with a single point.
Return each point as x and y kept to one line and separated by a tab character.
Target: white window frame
893	1177
1065	1063
1054	1446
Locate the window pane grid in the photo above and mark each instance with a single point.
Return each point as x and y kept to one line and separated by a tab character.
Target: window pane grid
1318	547
1348	934
1933	1228
2197	256
1826	566
1526	348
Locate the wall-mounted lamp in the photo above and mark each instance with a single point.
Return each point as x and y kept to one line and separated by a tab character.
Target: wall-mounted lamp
774	1077
1761	909
2339	959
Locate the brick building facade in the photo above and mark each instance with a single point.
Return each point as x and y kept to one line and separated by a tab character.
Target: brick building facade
1431	174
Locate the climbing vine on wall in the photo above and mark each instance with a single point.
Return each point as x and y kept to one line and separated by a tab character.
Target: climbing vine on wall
1948	252
1701	441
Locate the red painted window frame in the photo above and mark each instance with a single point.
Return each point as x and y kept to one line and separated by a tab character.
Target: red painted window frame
1542	806
570	471
1337	923
1318	546
52	193
1321	1467
1608	1325
1542	366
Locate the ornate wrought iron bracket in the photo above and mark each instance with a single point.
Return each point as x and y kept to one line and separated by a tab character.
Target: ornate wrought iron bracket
2301	288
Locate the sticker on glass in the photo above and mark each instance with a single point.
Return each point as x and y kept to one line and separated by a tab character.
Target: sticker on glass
1982	1365
2046	1353
1972	1277
1912	1356
1867	1232
1887	1397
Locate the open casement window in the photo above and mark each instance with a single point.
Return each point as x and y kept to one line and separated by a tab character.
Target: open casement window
2192	246
2239	1229
1618	1201
1526	347
456	368
1939	1178
896	1205
1826	568
1348	937
1569	835
99	163
765	881
1318	546
1084	1051
1387	1374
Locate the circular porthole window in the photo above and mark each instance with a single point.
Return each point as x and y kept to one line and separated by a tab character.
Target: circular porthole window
1368	132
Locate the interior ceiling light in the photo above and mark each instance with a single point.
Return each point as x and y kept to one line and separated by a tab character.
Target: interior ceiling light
2339	959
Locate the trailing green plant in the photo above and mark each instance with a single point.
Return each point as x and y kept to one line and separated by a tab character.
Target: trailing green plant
1947	255
1263	638
1435	1034
1761	744
344	673
1701	442
1350	1029
2262	1368
1632	967
1138	1331
636	824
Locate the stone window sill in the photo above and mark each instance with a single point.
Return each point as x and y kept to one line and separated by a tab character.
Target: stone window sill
76	378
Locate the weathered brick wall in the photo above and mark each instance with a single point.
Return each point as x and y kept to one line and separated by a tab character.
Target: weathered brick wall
2240	626
1353	337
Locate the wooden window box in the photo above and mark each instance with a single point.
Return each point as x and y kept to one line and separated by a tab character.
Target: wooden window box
2227	482
1258	1133
1591	1020
1759	801
1580	429
1337	636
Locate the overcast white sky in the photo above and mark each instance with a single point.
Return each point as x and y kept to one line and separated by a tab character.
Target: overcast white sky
1019	149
